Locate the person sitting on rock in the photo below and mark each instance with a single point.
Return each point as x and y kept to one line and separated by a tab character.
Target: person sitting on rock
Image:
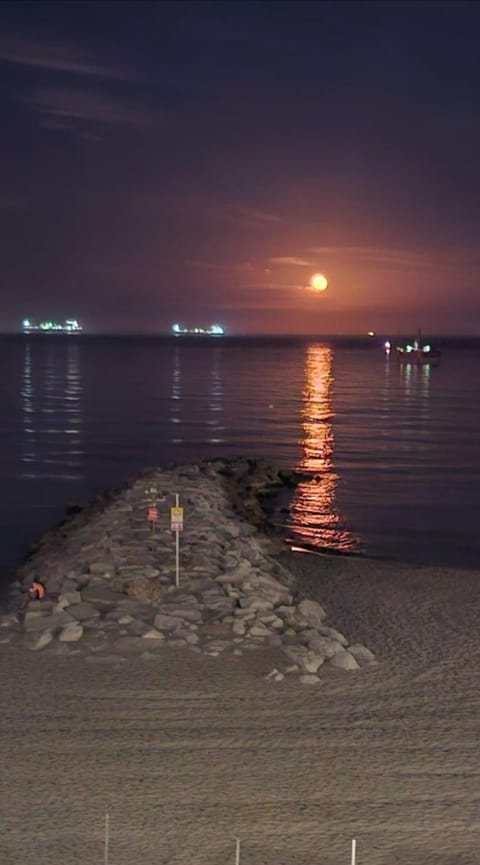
36	591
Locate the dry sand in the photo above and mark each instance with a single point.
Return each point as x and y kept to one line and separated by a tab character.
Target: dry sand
187	752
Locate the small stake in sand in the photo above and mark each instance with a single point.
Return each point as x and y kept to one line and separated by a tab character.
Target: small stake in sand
176	525
107	837
237	851
354	850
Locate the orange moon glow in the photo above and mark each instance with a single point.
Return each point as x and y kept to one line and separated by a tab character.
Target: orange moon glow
319	282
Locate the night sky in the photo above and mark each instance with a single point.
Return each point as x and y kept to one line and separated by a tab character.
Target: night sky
198	162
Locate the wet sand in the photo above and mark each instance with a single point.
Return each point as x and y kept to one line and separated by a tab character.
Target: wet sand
187	752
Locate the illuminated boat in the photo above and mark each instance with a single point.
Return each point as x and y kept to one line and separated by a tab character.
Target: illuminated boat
418	353
211	330
70	325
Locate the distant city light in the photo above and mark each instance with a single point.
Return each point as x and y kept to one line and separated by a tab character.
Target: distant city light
371	333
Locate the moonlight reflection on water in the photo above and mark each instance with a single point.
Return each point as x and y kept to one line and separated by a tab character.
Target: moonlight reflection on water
314	515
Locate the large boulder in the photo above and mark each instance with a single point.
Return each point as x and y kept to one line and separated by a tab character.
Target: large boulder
167	623
101	595
312	612
324	646
68	598
83	611
361	654
50	622
343	660
71	633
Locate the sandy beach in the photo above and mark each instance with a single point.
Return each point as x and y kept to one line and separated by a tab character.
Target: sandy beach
186	752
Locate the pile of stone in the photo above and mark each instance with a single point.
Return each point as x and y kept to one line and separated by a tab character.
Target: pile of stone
110	577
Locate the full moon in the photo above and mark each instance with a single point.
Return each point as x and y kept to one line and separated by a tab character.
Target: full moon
319	282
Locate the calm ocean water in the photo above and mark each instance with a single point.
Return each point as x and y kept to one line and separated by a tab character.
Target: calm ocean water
393	454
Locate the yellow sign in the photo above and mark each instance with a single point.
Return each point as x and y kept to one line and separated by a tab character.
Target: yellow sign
176	519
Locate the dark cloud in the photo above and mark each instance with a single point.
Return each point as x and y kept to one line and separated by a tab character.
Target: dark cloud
62	103
57	58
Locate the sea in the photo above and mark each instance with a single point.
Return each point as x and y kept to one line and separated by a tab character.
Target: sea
390	454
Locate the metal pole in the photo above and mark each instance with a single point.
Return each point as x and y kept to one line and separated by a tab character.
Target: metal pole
237	852
107	837
177	549
354	850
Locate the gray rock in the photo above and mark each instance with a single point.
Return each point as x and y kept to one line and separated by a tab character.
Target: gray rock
102	567
272	673
101	595
335	635
311	662
83	611
185	613
71	633
153	634
259	630
9	620
67	598
43	640
239	628
135	645
167	623
256	603
296	654
44	606
312	612
308	679
136	609
137	628
343	660
324	646
69	586
47	623
361	654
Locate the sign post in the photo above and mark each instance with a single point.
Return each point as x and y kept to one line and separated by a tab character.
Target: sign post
176	525
354	850
237	851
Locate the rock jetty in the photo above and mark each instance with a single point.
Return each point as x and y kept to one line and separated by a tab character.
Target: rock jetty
110	576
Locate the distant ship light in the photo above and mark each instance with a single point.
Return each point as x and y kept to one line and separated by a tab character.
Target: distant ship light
212	330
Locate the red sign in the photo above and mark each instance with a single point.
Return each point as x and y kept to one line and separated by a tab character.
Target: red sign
152	515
